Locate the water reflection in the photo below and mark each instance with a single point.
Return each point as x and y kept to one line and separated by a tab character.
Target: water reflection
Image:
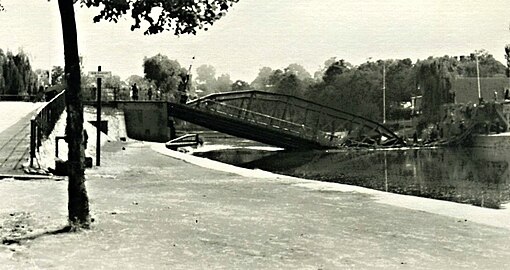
473	176
466	175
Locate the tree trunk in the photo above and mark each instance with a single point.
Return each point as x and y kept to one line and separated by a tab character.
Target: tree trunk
78	204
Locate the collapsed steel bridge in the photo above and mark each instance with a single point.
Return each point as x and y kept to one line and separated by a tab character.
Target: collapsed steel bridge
284	121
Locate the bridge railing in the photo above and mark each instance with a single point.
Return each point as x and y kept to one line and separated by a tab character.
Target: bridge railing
43	122
314	112
265	120
25	97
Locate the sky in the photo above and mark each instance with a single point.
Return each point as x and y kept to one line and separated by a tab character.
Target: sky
259	33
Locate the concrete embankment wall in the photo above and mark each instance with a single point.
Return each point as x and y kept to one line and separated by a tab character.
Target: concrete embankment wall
146	121
492	141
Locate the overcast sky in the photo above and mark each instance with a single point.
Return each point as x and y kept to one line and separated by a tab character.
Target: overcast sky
274	33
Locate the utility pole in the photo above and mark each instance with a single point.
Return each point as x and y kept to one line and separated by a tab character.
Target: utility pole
384	92
478	78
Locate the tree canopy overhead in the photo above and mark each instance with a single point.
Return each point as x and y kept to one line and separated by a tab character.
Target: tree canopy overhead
181	16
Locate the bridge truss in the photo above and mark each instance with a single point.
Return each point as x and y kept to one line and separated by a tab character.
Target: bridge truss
284	121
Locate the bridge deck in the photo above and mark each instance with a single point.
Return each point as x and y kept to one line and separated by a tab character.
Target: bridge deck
241	128
15	135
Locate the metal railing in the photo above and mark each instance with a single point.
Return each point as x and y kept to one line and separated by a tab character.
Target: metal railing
26	97
43	122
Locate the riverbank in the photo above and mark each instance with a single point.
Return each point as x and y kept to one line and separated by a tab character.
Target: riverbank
152	211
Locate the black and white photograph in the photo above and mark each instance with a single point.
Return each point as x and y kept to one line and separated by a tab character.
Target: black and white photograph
254	134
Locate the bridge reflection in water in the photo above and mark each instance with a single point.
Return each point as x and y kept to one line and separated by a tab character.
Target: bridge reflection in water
474	176
283	121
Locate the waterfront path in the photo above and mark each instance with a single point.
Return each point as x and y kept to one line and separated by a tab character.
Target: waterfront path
154	211
15	135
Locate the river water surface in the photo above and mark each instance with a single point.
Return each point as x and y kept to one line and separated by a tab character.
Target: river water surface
476	176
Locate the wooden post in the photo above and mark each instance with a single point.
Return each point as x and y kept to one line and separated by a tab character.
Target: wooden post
98	124
33	141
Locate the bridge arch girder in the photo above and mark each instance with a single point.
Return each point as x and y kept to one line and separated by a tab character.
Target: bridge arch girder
327	126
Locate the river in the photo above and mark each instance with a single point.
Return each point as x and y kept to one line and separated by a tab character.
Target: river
477	176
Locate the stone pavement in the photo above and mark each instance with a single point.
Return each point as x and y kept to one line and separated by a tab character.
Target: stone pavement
152	211
15	139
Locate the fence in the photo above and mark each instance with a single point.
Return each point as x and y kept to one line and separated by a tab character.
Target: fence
43	122
4	97
124	94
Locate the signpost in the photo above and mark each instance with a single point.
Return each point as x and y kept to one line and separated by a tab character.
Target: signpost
99	75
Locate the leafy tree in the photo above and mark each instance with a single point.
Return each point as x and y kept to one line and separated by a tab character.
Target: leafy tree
163	72
57	74
112	82
17	77
335	69
274	78
507	57
285	82
261	82
435	78
320	73
140	81
181	17
400	80
206	74
465	65
289	84
357	91
299	71
3	59
240	85
12	75
223	83
206	79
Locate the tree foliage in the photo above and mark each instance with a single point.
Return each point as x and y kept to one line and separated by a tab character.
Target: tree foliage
179	16
507	57
286	82
223	83
435	78
140	81
166	74
207	83
206	74
299	71
335	69
57	75
16	74
466	65
261	82
240	85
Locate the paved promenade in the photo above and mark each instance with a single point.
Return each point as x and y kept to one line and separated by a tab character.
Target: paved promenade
15	135
160	209
154	211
